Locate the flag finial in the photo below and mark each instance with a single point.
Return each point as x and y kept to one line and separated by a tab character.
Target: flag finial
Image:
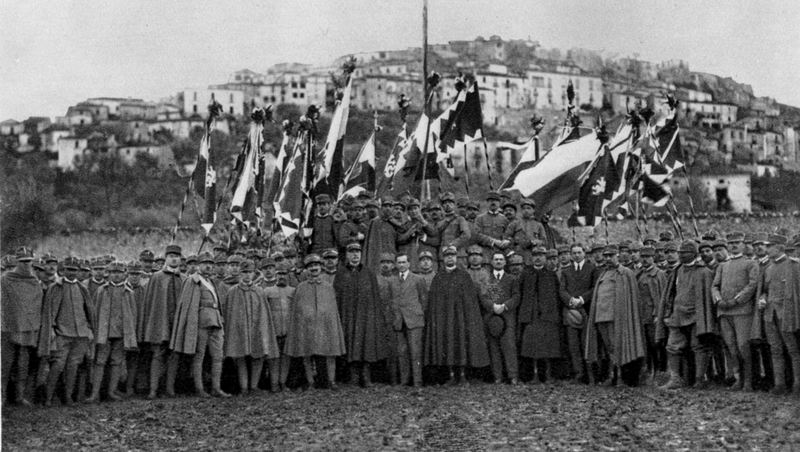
403	103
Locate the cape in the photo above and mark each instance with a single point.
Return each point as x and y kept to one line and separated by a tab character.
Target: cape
629	342
381	237
50	307
185	327
103	314
789	271
21	302
158	311
701	280
248	323
362	312
314	327
454	333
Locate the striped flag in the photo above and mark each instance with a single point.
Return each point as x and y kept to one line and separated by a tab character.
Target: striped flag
459	125
361	175
596	190
289	203
281	162
393	162
330	168
243	204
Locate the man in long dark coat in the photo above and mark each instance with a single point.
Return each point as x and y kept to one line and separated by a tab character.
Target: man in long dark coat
454	335
381	236
362	312
539	314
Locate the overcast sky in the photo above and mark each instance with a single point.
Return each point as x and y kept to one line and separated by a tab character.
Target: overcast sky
54	54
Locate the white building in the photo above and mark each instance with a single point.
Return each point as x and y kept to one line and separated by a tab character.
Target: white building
196	101
11	127
549	87
69	149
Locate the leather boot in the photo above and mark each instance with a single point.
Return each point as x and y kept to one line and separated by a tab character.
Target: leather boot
22	376
738	381
701	360
216	377
674	369
366	378
256	365
156	367
197	376
97	379
172	373
113	382
796	375
747	372
241	370
779	370
274	365
70	376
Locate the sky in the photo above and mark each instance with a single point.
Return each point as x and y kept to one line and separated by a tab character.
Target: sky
54	54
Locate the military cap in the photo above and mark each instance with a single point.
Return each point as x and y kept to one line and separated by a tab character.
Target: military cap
511	204
427	254
221	259
192	258
250	254
671	246
649	238
239	252
563	248
447	196
234	259
365	195
710	235
49	257
282	268
475	249
322	198
648	251
146	256
597	247
688	246
387	201
777	239
719	243
735	236
493	195
611	249
312	258
371	203
8	261
109	258
760	238
115	266
330	253
449	250
515	259
355	246
434	205
625	245
268	262
290	251
205	258
135	267
705	244
173	249
278	256
795	240
473	205
661	246
72	262
220	247
387	257
98	262
666	236
23	254
635	247
37	263
462	201
527	202
247	266
399	204
413	202
358	204
496	325
748	238
539	250
552	253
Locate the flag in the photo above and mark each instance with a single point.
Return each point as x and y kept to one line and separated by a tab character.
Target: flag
551	181
204	180
281	162
289	203
330	167
393	162
596	190
361	175
668	144
408	169
512	146
459	125
243	204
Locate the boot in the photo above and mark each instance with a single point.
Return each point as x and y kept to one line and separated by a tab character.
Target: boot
701	365
113	383
241	370
674	369
366	380
274	365
70	376
22	376
216	377
796	375
330	365
197	376
172	373
256	365
778	369
156	367
130	381
747	372
738	382
97	380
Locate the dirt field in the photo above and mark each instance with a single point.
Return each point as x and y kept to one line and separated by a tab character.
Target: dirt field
479	416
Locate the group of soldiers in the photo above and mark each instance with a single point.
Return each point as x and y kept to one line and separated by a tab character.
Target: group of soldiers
385	286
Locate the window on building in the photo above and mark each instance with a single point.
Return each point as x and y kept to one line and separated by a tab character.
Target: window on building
303	85
294	95
76	144
231	98
194	109
231	110
294	84
484	80
591	85
195	98
302	95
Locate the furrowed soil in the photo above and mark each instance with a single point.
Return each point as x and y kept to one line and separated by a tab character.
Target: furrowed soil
557	417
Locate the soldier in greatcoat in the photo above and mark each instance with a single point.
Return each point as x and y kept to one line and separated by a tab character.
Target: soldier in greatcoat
280	298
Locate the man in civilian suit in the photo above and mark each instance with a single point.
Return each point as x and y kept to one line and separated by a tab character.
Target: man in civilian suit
408	297
577	282
499	299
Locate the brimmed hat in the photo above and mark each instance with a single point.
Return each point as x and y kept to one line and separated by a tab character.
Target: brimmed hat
720	243
575	318
666	236
173	249
648	251
760	238
427	254
539	250
493	195
527	202
312	259
510	204
135	267
413	202
447	196
355	246
625	245
115	266
205	258
72	262
330	253
192	258
86	265
671	246
552	253
475	249
649	238
473	205
234	259
706	244
777	239
247	266
563	248
689	246
37	263
322	198
597	247
611	249
268	262
147	256
515	259
387	257
735	236
449	250
23	254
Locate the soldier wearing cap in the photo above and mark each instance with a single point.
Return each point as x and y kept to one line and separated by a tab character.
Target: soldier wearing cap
219	250
280	297
330	265
296	274
665	236
576	284
413	232
407	298
146	258
649	240
551	260
362	313
355	228
314	328
114	329
159	262
523	233
220	268
158	314
625	255
381	235
780	302
515	264
462	203
325	231
98	275
232	270
426	267
614	321
250	334
596	256
373	210
268	276
85	271
688	311
749	251
66	329
21	307
198	325
475	267
652	281
499	305
671	257
453	335
7	264
191	264
564	257
132	362
706	249
509	210
453	230
490	227
539	314
733	291
386	275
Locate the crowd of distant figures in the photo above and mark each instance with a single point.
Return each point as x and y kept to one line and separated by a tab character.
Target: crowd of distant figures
401	293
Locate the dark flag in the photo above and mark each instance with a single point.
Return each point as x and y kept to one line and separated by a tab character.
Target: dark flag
330	167
281	162
596	190
361	175
393	162
244	202
289	203
460	124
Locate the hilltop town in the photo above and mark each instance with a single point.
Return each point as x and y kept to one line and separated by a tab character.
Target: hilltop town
726	128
